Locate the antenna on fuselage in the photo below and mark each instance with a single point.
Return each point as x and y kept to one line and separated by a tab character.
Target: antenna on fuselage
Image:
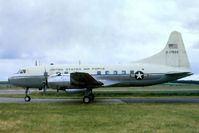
37	63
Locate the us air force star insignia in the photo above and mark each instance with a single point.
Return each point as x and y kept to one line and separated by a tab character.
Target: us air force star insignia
139	75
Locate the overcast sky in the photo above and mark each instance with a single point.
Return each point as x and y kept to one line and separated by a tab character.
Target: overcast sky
93	31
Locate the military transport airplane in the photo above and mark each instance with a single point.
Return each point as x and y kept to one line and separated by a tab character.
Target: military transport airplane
168	65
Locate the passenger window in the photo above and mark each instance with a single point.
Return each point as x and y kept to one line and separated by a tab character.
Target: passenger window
65	72
98	72
123	72
115	72
106	72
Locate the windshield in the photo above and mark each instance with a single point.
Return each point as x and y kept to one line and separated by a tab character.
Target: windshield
21	71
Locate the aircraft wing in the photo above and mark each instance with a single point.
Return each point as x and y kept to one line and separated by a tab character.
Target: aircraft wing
82	79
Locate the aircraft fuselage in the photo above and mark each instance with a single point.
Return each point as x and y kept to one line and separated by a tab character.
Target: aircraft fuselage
110	75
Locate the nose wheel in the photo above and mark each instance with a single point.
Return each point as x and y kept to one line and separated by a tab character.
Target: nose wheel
27	98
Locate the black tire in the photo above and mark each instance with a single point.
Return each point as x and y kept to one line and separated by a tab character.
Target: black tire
27	99
92	96
86	99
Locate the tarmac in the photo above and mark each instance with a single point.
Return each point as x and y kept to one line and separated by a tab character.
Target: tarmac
96	101
20	91
104	101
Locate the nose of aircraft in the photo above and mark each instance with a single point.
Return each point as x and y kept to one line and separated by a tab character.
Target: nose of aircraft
10	80
13	80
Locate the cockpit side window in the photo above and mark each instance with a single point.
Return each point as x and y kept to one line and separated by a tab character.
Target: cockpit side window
22	71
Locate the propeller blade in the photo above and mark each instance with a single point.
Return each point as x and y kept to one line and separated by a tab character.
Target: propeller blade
45	83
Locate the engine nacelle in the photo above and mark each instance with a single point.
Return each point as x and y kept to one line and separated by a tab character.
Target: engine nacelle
57	81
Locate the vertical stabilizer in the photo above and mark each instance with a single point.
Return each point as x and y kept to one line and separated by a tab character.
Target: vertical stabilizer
174	54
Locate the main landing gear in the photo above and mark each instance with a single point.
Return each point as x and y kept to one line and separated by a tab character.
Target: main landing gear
27	98
89	96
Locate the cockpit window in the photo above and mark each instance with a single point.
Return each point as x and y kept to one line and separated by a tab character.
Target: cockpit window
22	71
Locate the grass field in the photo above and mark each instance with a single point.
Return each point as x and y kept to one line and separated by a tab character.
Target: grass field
112	118
63	118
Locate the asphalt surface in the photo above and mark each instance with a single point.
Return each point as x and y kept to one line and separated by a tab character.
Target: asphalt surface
96	101
12	91
104	101
21	100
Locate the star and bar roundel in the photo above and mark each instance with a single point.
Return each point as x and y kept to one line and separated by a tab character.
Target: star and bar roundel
139	75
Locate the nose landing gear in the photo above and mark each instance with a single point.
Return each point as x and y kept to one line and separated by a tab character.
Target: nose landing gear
27	98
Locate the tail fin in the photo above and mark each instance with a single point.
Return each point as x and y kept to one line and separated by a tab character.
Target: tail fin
174	54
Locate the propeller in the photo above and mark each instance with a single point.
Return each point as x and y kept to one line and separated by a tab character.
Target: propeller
36	64
45	82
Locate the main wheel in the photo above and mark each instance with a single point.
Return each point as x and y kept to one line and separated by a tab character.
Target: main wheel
27	98
86	99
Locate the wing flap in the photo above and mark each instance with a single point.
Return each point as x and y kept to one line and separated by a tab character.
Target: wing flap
81	79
